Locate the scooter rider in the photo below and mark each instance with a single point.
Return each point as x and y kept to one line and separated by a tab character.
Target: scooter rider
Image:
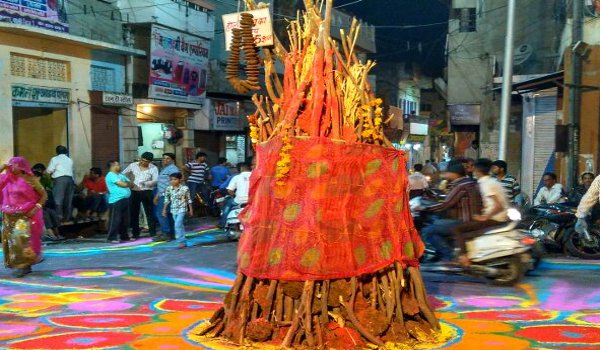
462	203
589	200
495	209
238	187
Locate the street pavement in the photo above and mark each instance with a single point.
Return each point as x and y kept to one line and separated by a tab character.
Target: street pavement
146	295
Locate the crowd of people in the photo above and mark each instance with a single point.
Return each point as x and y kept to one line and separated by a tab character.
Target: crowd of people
478	194
40	199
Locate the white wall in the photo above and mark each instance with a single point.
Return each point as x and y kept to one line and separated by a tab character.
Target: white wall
171	14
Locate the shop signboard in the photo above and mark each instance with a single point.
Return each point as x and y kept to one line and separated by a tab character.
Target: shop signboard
40	94
46	14
226	116
465	114
116	99
178	66
262	28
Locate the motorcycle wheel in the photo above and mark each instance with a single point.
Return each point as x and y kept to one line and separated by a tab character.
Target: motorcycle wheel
232	234
537	253
512	271
578	246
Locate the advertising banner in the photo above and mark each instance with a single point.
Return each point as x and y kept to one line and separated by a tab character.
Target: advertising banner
226	116
178	66
262	28
46	14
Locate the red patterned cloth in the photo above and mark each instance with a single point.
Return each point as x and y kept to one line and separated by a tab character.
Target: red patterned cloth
342	211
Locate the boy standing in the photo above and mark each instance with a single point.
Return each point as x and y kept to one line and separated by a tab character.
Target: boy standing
119	191
179	201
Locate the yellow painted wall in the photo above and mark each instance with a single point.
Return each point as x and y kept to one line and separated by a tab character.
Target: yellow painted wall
38	131
79	117
590	106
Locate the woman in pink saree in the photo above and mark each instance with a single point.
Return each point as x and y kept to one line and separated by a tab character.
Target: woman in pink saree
21	200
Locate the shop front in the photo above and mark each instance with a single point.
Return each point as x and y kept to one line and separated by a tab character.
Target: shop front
40	121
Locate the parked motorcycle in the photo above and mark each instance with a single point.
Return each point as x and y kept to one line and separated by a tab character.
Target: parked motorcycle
501	254
553	225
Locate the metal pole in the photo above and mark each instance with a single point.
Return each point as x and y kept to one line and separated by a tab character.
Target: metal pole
575	97
509	51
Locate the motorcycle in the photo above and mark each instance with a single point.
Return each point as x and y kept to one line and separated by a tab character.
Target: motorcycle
553	225
233	226
501	254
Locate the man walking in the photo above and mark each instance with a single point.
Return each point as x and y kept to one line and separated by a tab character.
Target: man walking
119	193
219	173
197	173
145	177
167	230
509	182
61	170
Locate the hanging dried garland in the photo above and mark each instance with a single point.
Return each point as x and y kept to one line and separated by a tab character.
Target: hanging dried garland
243	38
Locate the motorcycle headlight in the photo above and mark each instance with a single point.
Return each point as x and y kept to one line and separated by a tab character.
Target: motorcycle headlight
514	214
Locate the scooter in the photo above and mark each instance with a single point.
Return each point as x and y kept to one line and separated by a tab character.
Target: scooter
233	226
501	254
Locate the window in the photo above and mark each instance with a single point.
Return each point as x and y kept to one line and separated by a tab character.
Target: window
468	19
103	79
38	68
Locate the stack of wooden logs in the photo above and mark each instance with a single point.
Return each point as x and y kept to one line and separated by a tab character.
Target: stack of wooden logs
387	306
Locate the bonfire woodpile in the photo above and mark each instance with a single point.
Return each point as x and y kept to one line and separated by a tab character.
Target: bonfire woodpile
324	94
388	306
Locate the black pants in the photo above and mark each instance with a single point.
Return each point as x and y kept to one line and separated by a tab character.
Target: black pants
118	220
469	230
146	199
63	197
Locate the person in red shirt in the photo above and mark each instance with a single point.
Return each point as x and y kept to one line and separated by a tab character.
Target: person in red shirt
94	194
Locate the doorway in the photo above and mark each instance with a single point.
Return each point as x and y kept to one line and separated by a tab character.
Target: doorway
38	130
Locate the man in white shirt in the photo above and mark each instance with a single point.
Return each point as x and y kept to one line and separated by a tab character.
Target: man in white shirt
417	182
61	170
551	193
494	213
145	178
238	187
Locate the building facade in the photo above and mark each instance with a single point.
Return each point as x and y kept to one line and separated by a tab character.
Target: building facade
50	70
475	51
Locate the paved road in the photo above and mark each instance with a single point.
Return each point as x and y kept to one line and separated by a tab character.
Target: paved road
144	295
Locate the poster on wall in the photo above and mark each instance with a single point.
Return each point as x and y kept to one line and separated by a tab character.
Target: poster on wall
178	66
46	14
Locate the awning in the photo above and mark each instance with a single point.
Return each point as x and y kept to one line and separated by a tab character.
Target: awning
543	82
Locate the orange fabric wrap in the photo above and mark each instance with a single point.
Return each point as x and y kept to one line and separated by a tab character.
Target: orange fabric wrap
343	211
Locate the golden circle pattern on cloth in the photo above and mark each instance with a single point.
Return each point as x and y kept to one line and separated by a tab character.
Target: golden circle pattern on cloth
291	212
373	166
374	208
310	257
275	256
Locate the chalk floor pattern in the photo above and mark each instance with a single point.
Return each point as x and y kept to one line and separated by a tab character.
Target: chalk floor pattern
62	316
60	313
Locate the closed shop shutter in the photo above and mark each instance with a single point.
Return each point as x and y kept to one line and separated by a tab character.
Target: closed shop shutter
105	136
